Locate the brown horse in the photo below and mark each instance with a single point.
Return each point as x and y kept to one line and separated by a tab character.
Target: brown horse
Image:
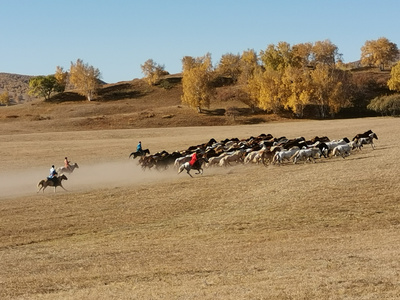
56	181
62	170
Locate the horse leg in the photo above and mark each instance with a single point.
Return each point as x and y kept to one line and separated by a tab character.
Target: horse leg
188	171
180	169
63	187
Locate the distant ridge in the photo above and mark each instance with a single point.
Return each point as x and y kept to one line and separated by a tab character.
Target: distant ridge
17	87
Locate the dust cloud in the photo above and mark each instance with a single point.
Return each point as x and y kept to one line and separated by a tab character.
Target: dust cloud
85	178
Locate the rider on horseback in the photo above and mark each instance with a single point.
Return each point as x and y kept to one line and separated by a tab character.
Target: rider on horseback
53	174
194	157
139	148
67	164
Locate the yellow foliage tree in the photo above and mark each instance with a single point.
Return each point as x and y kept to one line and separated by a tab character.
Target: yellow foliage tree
297	85
196	82
5	98
61	77
264	87
85	78
325	52
379	52
394	81
229	65
329	90
153	71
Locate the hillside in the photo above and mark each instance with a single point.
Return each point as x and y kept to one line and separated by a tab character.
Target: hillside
135	104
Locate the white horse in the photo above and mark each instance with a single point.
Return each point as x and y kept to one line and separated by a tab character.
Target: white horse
280	156
253	156
367	140
215	160
306	155
344	149
62	170
181	160
196	166
236	156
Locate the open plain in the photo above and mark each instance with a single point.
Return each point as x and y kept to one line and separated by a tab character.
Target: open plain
328	230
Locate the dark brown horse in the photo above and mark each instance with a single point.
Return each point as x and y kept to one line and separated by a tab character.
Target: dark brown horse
139	153
56	181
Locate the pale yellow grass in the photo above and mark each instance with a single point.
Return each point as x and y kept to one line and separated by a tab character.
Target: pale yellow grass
328	230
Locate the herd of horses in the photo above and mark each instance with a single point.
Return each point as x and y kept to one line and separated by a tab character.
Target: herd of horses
263	149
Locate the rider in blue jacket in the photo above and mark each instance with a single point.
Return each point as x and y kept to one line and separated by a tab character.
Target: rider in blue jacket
139	147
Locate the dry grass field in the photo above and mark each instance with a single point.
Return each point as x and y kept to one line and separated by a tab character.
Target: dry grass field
328	230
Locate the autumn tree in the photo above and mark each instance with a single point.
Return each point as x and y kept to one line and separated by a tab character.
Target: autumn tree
85	79
264	88
44	86
249	66
379	52
5	98
277	57
153	71
229	66
329	90
325	52
196	81
302	55
61	77
394	81
296	84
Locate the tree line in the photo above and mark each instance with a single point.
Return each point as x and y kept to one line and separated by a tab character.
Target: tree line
280	79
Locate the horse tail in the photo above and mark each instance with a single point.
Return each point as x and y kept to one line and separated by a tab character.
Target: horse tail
131	154
41	182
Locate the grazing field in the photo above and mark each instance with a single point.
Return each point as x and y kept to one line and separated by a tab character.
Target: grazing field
328	230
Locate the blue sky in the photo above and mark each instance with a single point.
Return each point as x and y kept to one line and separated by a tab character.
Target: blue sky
118	36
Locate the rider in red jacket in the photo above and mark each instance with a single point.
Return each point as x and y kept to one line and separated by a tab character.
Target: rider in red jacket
194	158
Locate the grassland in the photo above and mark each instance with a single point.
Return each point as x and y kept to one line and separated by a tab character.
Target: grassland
327	230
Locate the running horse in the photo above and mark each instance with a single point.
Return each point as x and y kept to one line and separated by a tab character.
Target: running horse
62	170
139	153
56	181
196	166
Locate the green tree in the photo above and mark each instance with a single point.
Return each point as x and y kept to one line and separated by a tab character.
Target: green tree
379	52
5	98
85	79
394	81
44	86
153	71
386	105
196	81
